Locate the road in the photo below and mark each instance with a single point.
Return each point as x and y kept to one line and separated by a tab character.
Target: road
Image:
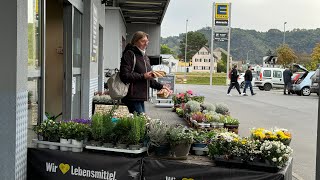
298	114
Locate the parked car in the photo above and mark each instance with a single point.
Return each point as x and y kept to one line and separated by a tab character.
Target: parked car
269	78
315	80
302	84
241	79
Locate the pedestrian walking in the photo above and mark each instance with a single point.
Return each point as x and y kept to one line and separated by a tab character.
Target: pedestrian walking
248	79
234	80
287	80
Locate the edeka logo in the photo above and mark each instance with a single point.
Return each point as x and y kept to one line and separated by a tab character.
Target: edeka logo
173	178
78	171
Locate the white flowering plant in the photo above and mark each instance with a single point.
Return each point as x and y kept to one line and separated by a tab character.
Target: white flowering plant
275	152
227	144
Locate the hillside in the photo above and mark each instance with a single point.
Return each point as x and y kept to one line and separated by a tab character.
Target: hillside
300	40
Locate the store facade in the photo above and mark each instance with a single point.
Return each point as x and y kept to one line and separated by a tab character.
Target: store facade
53	58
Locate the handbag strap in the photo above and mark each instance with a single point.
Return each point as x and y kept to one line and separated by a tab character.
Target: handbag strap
134	62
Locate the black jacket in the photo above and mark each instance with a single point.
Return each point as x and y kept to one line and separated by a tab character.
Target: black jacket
248	75
139	87
287	76
234	75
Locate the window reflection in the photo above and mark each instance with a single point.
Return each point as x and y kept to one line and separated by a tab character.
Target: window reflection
34	66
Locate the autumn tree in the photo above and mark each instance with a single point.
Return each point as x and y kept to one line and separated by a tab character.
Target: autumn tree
285	55
315	57
195	41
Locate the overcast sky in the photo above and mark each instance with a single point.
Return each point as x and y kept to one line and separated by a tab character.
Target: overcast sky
260	15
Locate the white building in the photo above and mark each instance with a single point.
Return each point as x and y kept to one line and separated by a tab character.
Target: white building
170	61
202	59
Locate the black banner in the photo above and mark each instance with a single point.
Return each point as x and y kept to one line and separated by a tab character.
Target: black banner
155	169
45	164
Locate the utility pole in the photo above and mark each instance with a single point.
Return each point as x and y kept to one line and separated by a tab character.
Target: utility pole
185	52
284	32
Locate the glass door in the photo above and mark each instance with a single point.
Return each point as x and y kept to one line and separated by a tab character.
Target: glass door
72	62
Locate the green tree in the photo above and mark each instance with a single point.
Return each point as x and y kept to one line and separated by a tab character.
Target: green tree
165	49
196	41
285	55
315	57
222	64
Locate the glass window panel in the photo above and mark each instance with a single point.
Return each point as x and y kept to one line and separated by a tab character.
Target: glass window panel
34	67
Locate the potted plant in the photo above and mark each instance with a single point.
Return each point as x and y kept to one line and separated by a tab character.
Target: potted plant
134	133
157	133
192	106
222	109
224	146
96	129
275	153
232	124
40	130
120	131
52	132
208	107
199	99
107	130
80	132
180	139
65	134
200	142
199	117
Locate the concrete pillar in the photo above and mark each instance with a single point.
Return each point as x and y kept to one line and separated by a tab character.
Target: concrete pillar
13	91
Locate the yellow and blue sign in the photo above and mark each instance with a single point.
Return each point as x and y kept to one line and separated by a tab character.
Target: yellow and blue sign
222	11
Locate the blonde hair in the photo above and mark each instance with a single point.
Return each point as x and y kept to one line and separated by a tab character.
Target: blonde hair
137	36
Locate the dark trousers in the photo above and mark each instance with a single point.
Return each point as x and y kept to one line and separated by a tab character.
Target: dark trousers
135	106
235	84
248	83
287	86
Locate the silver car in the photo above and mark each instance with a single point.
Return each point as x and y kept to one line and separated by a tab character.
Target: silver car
302	85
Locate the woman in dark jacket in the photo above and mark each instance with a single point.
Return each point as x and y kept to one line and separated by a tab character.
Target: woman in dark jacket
140	76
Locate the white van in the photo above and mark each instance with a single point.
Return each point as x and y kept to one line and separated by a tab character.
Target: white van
269	78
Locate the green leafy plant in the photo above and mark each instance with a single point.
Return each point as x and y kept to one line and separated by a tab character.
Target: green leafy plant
96	127
199	99
228	120
193	106
52	116
107	127
65	130
222	108
180	135
80	131
208	107
157	132
121	130
52	130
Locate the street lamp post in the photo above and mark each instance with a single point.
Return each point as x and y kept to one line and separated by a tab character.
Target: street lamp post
248	55
185	51
284	32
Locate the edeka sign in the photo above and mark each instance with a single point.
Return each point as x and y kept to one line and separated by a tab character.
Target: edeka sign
45	164
222	11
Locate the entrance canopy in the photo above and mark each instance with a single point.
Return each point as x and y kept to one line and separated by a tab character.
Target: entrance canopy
141	11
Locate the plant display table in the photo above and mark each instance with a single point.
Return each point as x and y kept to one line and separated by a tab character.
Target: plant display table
56	165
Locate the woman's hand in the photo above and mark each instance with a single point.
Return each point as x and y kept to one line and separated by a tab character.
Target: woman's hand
148	75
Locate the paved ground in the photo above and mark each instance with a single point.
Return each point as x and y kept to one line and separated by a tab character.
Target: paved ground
266	109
